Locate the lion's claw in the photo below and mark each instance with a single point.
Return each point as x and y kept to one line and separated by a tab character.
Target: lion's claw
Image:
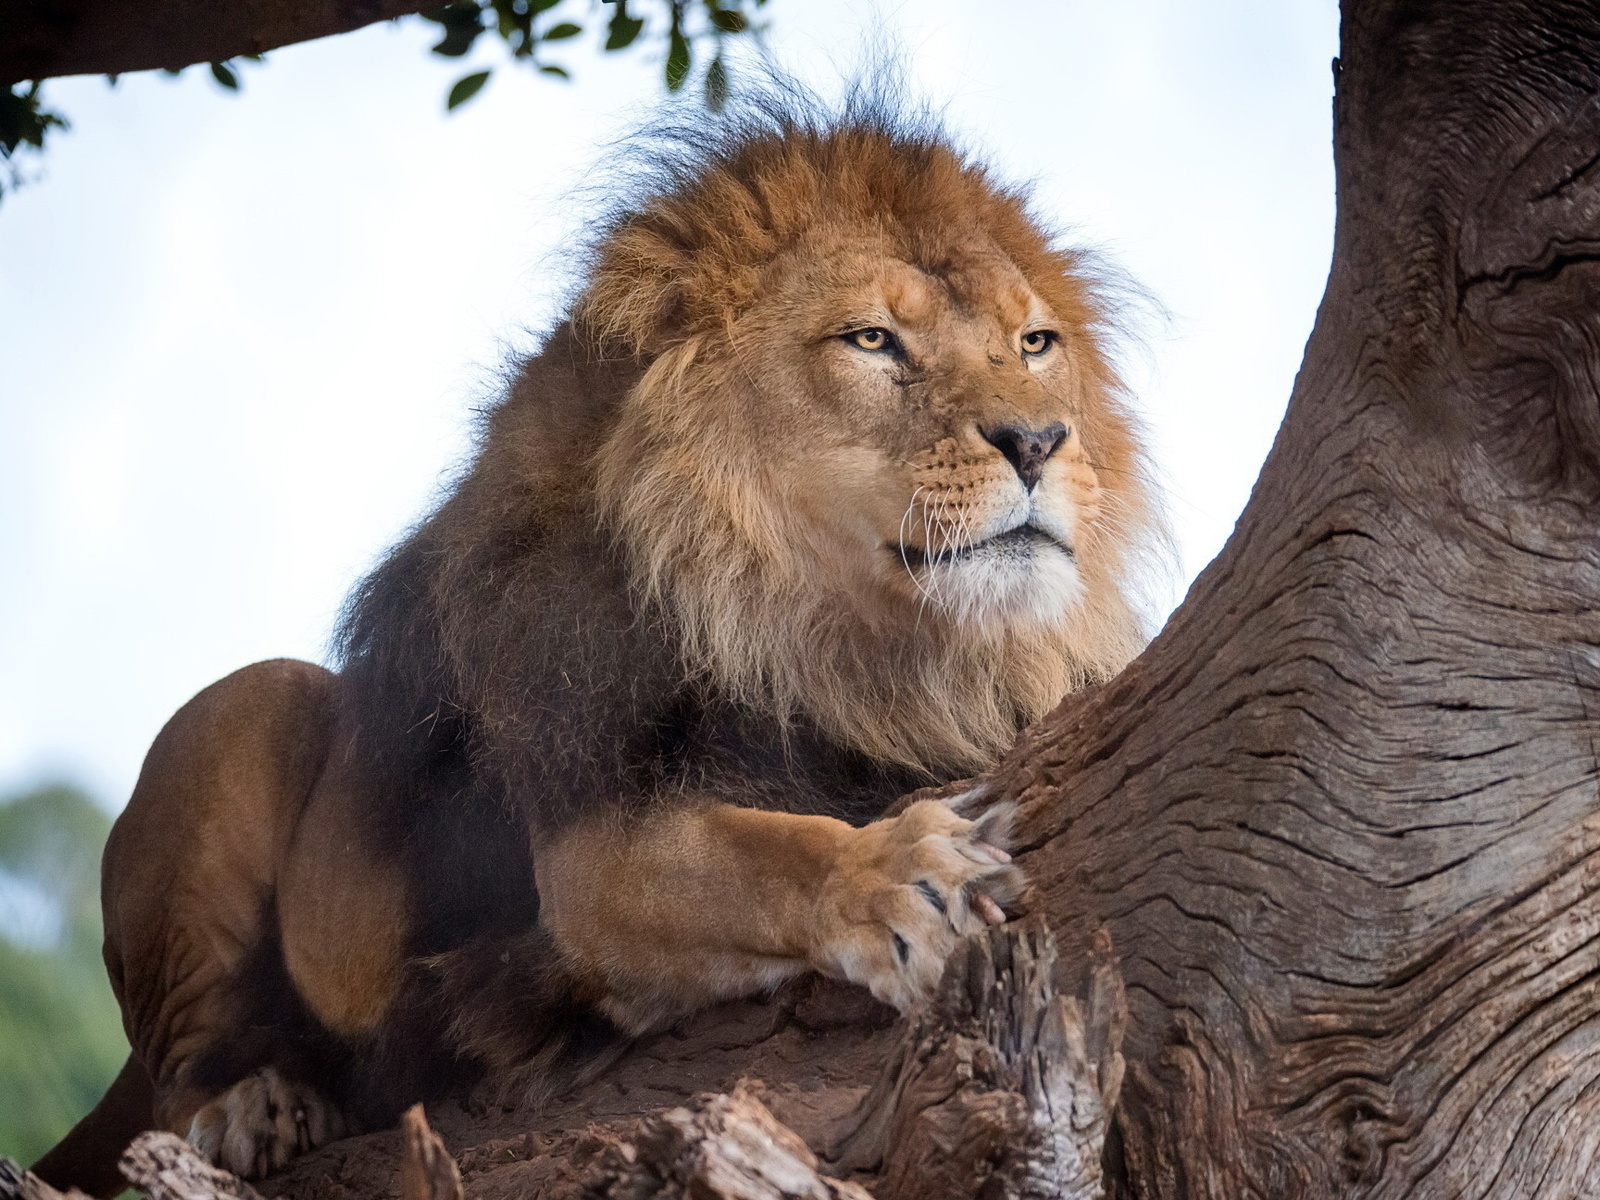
906	891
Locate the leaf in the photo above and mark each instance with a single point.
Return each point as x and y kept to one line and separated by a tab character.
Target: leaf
223	74
558	33
716	85
23	119
559	72
729	21
623	29
462	25
535	7
677	61
465	89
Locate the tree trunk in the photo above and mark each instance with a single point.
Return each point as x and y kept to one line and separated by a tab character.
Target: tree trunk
1341	818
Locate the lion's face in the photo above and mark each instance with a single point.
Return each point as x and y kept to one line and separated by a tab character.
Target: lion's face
876	467
931	424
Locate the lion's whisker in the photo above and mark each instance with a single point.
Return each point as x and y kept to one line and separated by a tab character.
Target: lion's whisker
905	561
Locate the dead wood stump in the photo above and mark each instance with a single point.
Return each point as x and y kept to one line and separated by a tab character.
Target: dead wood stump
427	1172
1003	1089
19	1184
165	1167
719	1147
161	1165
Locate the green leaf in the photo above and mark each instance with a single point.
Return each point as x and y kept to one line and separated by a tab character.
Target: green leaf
23	120
623	28
716	85
558	72
465	89
535	7
729	21
558	33
462	25
223	74
514	24
677	61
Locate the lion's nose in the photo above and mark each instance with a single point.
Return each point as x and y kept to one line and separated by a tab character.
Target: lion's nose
1026	449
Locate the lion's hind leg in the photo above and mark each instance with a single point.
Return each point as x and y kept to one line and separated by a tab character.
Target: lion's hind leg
189	881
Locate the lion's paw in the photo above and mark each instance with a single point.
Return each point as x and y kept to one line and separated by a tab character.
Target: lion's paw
261	1122
906	891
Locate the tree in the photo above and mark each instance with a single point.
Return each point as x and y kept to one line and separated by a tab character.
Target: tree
49	38
1340	820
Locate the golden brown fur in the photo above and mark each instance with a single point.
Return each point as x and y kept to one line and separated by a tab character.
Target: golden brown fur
824	490
700	284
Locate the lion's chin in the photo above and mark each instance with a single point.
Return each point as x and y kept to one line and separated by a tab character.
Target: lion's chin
1023	580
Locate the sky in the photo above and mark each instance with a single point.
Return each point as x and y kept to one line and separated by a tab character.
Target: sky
242	337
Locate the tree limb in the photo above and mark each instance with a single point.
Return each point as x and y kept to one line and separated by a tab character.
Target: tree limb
47	38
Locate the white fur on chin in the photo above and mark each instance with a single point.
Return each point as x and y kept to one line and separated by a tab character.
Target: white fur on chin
1032	583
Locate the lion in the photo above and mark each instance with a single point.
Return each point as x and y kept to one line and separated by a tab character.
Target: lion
822	490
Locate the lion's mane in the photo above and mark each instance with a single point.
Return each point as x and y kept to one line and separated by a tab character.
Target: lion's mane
622	540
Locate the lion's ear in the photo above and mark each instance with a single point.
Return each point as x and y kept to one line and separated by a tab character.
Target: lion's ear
636	294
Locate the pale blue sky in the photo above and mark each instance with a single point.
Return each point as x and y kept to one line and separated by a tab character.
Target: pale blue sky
241	336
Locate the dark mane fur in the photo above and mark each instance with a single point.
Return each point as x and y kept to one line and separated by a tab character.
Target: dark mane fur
499	651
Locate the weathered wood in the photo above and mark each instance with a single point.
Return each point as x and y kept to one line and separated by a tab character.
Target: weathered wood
1002	1088
719	1147
19	1184
427	1172
165	1167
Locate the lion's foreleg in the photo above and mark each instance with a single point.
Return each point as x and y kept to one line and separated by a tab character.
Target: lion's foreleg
701	902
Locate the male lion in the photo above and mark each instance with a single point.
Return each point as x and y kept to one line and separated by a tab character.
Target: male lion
822	492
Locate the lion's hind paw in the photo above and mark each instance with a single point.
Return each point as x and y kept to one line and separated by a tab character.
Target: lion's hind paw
263	1121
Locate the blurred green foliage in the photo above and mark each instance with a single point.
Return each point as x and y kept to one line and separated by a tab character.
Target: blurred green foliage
24	124
61	1040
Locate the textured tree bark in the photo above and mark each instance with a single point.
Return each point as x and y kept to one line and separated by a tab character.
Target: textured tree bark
1341	818
45	38
719	1147
1003	1088
165	1167
161	1165
427	1172
19	1184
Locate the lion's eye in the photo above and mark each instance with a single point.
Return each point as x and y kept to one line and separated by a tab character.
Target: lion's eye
871	339
1037	341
